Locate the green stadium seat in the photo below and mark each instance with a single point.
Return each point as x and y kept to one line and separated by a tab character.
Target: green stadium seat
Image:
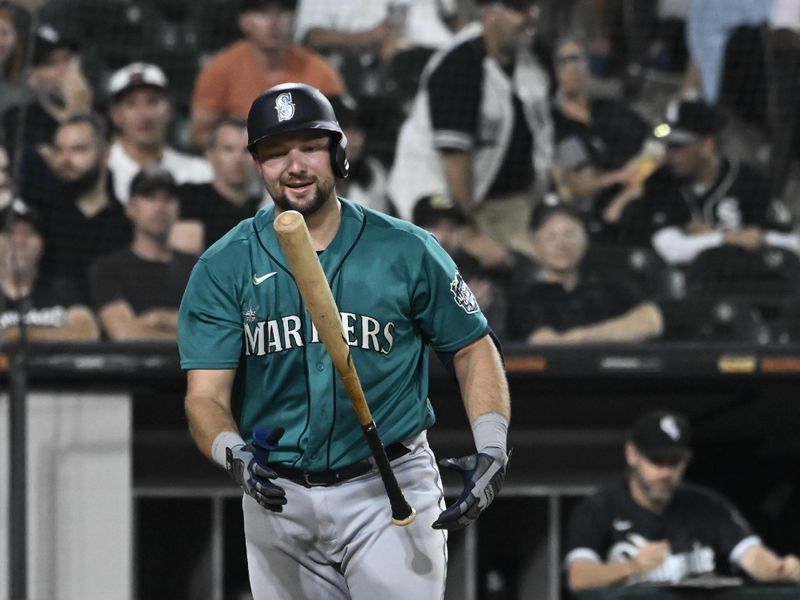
708	320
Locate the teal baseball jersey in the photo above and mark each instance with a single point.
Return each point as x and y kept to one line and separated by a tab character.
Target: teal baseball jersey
398	293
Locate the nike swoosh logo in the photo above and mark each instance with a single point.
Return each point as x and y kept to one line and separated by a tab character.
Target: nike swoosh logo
259	280
621	525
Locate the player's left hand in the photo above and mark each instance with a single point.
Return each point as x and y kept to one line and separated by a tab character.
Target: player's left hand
247	466
789	568
483	475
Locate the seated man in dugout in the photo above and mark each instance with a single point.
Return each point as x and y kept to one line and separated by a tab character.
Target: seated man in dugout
48	307
651	527
563	305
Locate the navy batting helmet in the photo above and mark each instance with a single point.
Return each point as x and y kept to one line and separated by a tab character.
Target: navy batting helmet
296	107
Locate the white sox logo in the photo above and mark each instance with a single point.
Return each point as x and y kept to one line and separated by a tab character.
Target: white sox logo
284	106
463	295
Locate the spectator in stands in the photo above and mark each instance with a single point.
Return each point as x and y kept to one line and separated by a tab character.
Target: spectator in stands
488	151
56	89
599	141
565	306
366	183
11	60
364	26
48	306
490	283
136	292
81	217
209	210
140	111
265	57
784	85
701	199
708	30
653	527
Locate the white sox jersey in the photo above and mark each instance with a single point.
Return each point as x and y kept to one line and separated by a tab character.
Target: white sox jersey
398	292
705	532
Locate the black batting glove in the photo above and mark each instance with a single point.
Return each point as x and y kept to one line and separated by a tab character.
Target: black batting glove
247	466
483	475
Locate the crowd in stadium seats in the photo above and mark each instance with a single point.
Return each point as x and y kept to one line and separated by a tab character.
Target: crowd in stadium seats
601	171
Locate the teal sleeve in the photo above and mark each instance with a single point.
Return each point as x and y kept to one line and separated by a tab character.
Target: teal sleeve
444	307
209	322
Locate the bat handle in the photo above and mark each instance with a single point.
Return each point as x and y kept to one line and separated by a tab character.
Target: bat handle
402	513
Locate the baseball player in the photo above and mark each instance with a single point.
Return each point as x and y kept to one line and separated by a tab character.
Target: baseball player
652	527
264	402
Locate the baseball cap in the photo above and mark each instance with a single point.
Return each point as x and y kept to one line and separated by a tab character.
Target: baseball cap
431	210
47	40
136	75
662	436
151	180
550	206
688	121
249	5
18	210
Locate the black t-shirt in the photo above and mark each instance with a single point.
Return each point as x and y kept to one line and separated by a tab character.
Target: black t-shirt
544	304
739	197
143	284
73	241
614	136
705	532
455	89
202	202
46	306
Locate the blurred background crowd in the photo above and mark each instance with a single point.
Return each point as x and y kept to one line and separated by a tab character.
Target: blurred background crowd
600	170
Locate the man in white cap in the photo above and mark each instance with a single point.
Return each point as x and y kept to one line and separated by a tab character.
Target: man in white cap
140	111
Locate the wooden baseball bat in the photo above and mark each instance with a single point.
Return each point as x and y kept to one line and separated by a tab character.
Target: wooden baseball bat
295	240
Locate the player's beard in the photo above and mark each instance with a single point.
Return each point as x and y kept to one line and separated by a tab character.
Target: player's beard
659	496
321	195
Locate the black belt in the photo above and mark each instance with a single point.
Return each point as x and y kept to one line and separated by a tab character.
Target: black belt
321	478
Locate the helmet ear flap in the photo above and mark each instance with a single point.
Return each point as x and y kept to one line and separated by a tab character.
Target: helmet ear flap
338	152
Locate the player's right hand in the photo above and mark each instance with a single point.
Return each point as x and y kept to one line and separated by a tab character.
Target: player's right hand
254	478
651	555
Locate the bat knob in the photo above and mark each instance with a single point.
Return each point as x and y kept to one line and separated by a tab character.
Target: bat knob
402	522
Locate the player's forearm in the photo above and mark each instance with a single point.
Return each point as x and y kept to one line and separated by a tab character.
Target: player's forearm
761	563
207	418
585	575
482	379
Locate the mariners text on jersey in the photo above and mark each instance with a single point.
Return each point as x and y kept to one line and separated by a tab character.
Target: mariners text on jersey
285	333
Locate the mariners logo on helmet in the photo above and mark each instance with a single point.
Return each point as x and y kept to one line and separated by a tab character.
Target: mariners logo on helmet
284	107
463	295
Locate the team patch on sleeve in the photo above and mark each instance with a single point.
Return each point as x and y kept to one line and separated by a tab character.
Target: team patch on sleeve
463	295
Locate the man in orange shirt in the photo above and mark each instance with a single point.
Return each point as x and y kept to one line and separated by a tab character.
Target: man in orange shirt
265	57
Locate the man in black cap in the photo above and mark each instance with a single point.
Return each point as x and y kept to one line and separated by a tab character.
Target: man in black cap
50	307
136	292
652	527
701	199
